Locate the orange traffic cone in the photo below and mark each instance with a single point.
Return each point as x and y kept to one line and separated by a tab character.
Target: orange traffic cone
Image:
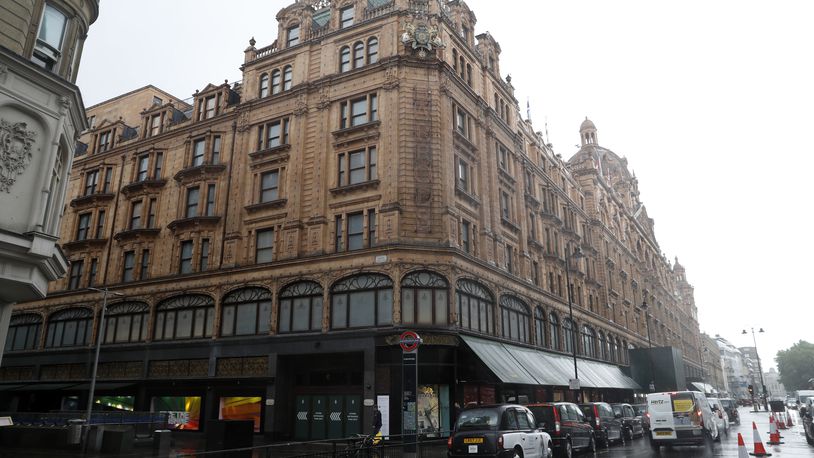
759	449
781	421
774	435
788	421
741	447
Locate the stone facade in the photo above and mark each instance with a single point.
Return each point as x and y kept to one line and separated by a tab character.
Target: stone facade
374	166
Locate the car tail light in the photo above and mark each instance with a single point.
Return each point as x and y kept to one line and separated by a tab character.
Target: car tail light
596	415
449	443
720	415
499	442
557	428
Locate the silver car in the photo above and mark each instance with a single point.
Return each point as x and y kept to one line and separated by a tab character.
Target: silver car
721	417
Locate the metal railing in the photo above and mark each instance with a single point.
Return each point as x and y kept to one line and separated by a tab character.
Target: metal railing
61	418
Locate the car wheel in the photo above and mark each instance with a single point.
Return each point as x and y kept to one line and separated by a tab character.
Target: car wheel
549	451
629	434
654	445
809	439
567	450
517	454
717	434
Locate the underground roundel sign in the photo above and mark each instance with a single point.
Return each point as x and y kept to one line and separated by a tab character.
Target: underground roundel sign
409	341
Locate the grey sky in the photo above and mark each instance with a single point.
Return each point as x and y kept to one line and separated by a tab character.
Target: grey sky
710	101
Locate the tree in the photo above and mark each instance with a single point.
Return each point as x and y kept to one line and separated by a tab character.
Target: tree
796	365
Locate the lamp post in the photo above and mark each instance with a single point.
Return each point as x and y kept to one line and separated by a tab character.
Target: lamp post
652	386
568	256
99	338
760	369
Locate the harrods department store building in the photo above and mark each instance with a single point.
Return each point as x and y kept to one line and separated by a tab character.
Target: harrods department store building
370	174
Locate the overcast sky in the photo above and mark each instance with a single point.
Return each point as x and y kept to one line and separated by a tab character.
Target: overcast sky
710	101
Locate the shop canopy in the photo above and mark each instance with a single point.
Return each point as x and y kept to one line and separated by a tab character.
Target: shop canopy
515	364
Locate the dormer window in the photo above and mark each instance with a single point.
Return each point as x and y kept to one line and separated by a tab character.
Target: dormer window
465	33
346	17
155	125
210	107
292	36
105	141
48	48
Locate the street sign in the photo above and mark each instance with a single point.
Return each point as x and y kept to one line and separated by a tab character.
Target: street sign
409	341
573	384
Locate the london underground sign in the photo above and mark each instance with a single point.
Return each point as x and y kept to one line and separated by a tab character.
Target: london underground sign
409	341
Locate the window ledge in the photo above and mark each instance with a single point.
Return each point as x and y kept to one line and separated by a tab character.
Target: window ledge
346	131
92	199
467	196
371	184
356	134
194	222
510	225
551	217
143	185
536	244
273	154
132	234
270	205
199	172
531	200
506	175
467	143
79	245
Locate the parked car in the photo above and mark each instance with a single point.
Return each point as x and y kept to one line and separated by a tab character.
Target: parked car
721	417
500	431
567	426
791	403
806	413
607	428
631	421
681	417
731	408
641	410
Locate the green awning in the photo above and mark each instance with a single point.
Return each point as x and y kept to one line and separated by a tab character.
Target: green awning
498	359
540	368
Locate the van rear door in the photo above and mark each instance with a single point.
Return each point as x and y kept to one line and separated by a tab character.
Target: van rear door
662	423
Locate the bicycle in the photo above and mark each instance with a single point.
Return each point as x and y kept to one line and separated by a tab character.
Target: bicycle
363	446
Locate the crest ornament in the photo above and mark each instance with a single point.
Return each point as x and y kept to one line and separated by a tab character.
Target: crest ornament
15	152
422	37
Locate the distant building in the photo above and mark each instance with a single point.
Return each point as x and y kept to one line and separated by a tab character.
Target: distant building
773	384
750	358
711	359
41	117
372	173
735	369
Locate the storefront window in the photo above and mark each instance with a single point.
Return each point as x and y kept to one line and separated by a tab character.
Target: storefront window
300	307
241	408
539	327
362	301
424	299
185	317
24	332
246	311
514	315
602	354
476	307
69	328
568	335
588	342
554	335
126	322
184	411
109	403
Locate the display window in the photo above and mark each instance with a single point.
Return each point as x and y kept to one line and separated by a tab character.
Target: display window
241	408
184	411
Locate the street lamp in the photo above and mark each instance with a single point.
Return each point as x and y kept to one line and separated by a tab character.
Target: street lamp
99	338
760	369
649	345
568	256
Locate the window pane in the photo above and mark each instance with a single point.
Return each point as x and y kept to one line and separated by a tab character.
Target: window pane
70	336
339	311
285	316
362	310
123	329
407	305
441	313
316	313
385	306
302	308
135	334
424	306
169	325
263	317
53	27
228	325
184	326
464	311
246	319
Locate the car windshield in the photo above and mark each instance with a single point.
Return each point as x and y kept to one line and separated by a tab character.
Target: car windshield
617	410
543	414
477	419
640	409
728	403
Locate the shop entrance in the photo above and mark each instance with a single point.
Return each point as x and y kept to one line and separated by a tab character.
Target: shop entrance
327	416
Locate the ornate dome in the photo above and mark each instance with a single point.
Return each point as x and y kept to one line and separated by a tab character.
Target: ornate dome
587	124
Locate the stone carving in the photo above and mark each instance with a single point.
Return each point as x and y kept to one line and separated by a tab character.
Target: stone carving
15	152
320	4
243	119
301	106
422	36
391	78
324	99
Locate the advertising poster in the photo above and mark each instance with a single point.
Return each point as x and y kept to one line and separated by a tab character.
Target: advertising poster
428	410
383	401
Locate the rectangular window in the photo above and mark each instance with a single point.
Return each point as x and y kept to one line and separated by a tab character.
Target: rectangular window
143	164
204	261
461	122
264	251
100	224
185	265
144	272
465	242
128	266
356	223
105	141
293	36
535	273
509	259
76	274
273	134
269	186
504	206
210	107
346	17
198	149
502	157
532	227
193	195
215	150
94	267
91	182
155	125
48	48
359	111
371	227
210	200
135	215
360	166
338	246
159	162
108	178
463	175
83	227
151	213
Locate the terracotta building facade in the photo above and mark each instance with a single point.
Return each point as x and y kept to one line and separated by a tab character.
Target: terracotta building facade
370	174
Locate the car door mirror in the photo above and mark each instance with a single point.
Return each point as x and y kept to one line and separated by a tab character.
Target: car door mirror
618	415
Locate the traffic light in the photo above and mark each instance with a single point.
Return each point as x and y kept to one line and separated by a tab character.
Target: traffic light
751	390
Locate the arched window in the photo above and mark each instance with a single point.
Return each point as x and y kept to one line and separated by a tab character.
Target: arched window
245	312
588	342
514	315
69	328
424	299
611	349
264	85
568	335
624	351
287	76
126	322
23	332
602	354
344	59
275	82
462	65
358	54
300	307
455	59
476	307
185	317
554	334
619	351
362	300
372	50
539	327
469	74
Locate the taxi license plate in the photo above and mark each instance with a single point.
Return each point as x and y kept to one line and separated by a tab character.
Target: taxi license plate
663	433
473	440
473	449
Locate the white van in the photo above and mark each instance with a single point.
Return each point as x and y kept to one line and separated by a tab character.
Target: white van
681	417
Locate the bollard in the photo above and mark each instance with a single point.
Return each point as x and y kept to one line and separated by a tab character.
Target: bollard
162	441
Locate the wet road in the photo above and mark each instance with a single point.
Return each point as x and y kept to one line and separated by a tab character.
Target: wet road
795	442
